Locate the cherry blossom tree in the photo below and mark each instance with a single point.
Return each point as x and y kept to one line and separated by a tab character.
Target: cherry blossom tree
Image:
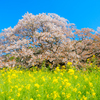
47	34
49	37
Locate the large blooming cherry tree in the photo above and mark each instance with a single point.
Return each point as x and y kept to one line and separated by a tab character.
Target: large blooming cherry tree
49	37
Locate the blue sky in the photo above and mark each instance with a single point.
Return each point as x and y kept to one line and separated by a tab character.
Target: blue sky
84	13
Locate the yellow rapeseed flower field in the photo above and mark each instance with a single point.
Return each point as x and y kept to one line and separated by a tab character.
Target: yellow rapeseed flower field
59	84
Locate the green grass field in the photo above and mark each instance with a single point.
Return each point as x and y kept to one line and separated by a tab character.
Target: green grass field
60	84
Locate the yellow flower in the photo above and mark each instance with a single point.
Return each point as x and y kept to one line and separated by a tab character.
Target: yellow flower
69	63
16	86
29	75
63	93
63	66
84	87
95	67
66	80
75	77
55	81
9	97
88	59
55	95
12	99
38	95
18	94
93	93
19	89
91	85
31	99
47	95
28	86
91	64
37	85
10	90
75	89
2	92
85	98
49	78
68	95
60	87
43	78
87	92
57	69
3	74
86	79
55	72
61	74
91	89
78	85
22	86
71	71
68	84
93	56
79	92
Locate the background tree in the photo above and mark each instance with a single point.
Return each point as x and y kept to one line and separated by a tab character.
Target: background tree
48	37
